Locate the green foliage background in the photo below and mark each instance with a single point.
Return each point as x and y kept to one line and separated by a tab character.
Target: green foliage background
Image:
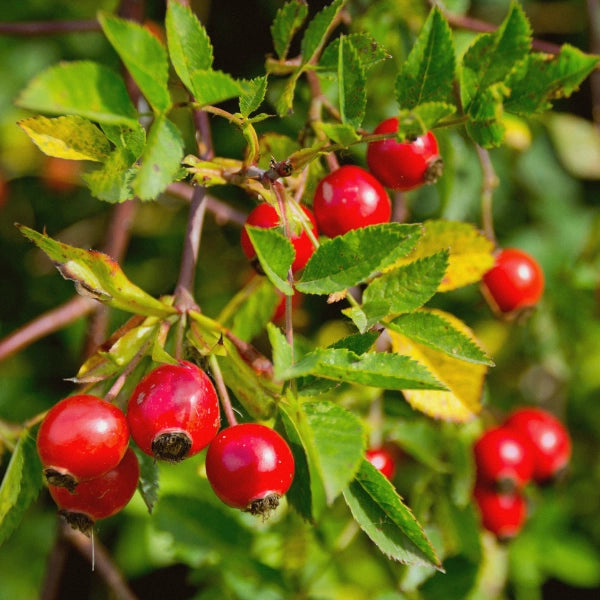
546	203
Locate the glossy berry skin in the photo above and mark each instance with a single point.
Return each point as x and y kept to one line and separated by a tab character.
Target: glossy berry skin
501	513
101	497
404	166
265	216
350	198
383	459
250	466
515	281
504	457
81	437
173	412
548	437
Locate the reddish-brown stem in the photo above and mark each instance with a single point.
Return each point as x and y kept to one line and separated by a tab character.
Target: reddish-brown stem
45	324
94	551
489	183
222	212
39	28
222	390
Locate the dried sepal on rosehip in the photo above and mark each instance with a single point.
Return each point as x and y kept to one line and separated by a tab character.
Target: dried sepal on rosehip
173	412
81	438
250	466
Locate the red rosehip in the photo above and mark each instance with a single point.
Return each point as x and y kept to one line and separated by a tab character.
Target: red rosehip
265	216
501	513
404	166
350	198
98	498
250	466
515	281
173	412
547	436
504	457
383	459
82	437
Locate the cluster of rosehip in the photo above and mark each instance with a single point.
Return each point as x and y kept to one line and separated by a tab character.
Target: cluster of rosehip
531	445
351	197
173	413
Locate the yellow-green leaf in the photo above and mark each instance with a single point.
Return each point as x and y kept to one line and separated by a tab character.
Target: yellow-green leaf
470	252
464	380
69	137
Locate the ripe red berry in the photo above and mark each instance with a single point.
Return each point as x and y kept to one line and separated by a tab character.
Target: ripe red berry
383	459
504	457
173	412
265	216
515	281
548	437
81	437
98	498
404	166
501	513
350	198
250	466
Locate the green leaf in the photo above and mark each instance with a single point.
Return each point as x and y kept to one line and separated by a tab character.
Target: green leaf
160	160
71	137
148	483
368	314
421	119
131	138
212	87
543	78
389	523
385	370
253	94
428	73
275	254
493	56
435	332
21	484
408	287
307	492
112	182
369	52
348	260
339	133
251	316
420	439
80	88
351	85
339	455
288	20
189	46
98	276
318	29
282	351
143	55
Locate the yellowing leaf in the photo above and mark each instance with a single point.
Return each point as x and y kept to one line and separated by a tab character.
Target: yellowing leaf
470	252
464	380
70	137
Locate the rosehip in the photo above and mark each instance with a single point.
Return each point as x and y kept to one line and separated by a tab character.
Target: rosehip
404	166
350	198
265	216
250	466
515	281
504	456
101	497
81	437
501	513
173	412
383	459
547	436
